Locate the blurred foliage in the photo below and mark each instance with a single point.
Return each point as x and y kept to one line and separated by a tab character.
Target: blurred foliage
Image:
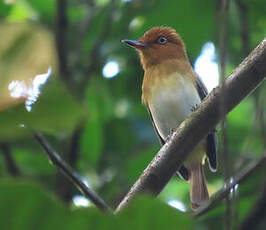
23	214
115	137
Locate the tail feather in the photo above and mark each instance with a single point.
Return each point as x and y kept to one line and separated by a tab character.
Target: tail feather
198	188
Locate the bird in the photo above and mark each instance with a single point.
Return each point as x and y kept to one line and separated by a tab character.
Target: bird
171	91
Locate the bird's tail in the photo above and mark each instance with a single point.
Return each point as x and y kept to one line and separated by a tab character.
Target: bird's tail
198	188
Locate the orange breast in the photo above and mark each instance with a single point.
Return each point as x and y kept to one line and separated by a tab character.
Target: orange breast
161	75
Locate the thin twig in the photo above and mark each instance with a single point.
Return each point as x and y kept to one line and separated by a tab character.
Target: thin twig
250	73
259	122
239	178
61	22
70	173
11	165
244	26
94	60
64	187
74	149
83	27
223	56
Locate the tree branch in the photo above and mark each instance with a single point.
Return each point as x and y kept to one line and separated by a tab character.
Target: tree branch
167	161
239	177
71	174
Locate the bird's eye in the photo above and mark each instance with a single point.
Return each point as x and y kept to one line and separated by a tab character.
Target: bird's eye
162	40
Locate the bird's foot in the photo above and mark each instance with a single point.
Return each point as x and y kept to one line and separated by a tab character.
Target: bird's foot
170	134
194	107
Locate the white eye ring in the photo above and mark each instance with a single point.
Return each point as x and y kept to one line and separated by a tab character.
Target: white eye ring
162	40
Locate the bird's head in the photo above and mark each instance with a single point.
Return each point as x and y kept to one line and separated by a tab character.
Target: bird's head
157	45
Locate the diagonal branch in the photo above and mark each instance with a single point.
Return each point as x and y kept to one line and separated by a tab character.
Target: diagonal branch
244	79
11	165
71	174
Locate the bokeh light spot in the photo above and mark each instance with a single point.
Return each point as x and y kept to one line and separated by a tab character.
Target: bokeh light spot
30	91
177	204
110	69
206	66
81	201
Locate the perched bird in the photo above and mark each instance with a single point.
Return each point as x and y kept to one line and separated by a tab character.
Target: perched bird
171	90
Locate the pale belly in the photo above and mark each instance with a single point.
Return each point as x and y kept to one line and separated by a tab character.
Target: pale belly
172	104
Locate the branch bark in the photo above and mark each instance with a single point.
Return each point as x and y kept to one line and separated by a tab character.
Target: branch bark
71	174
244	79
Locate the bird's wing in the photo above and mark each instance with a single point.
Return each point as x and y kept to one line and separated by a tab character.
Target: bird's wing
161	140
212	137
182	172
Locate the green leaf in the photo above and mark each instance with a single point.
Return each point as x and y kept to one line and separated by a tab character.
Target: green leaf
242	133
20	12
137	163
4	9
25	205
100	109
150	213
29	206
25	52
55	111
45	9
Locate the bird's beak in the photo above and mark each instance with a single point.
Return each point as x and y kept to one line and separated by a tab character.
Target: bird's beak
135	44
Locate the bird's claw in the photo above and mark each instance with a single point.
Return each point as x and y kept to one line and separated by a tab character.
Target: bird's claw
194	108
170	134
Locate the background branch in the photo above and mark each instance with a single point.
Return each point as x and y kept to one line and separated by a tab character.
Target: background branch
95	61
61	22
71	174
257	214
70	148
11	165
224	147
167	161
244	26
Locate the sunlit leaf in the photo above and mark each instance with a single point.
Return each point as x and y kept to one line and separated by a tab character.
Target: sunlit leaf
54	112
20	12
25	52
